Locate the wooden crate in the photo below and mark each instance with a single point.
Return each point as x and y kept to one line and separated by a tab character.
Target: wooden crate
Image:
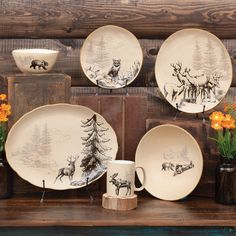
26	92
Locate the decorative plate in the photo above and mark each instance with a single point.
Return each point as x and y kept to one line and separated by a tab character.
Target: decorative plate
172	161
111	57
66	145
193	70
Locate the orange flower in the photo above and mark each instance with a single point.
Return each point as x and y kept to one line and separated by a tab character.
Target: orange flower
216	125
6	108
228	122
3	97
217	116
3	117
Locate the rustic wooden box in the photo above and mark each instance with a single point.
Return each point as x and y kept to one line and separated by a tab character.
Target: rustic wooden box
26	92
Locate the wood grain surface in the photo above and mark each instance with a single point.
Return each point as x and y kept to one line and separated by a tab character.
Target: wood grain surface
146	19
81	212
69	58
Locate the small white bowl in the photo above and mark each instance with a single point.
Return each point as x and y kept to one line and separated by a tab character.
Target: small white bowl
35	60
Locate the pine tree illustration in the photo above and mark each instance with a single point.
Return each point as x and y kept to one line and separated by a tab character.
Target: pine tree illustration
197	57
210	59
102	54
224	64
32	145
94	149
90	49
46	141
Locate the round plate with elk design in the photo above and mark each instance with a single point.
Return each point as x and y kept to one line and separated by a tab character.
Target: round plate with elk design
172	161
193	70
111	57
68	146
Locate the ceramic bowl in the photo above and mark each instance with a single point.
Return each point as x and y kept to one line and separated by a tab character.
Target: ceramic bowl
35	60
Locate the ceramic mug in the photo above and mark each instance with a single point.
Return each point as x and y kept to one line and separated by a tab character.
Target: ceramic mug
120	178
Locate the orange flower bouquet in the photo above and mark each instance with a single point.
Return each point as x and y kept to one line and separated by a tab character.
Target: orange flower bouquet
224	124
5	111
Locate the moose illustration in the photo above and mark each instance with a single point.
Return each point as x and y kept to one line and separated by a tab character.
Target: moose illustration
119	183
67	171
37	63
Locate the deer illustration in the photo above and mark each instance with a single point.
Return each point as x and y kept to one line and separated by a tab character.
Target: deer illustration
67	171
119	183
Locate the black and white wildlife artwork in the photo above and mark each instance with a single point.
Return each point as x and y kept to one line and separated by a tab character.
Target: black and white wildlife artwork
176	168
193	70
191	88
120	183
38	64
94	153
113	72
67	171
111	57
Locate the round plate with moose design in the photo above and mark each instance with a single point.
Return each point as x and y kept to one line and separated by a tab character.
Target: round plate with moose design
193	70
67	146
172	161
111	57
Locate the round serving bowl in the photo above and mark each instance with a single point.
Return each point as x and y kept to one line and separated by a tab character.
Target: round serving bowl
35	60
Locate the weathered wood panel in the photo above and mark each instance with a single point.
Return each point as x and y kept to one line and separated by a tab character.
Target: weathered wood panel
116	110
77	18
26	92
156	110
191	211
69	62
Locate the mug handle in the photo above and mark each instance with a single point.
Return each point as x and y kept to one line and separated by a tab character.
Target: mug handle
144	179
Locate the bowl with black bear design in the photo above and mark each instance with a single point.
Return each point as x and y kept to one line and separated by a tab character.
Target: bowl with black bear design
35	60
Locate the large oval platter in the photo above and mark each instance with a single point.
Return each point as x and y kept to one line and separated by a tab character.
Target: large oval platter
193	70
67	146
172	161
111	57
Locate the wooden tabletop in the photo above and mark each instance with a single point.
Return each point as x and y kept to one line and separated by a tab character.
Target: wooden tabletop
150	212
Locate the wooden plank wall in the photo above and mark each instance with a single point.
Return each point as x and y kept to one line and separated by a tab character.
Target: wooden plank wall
64	24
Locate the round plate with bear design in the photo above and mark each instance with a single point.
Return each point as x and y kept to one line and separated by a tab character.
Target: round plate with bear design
111	57
172	161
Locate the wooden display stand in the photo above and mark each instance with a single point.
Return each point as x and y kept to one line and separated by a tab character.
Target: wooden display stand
119	204
28	91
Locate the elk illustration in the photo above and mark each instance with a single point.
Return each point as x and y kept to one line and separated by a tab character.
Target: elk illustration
191	87
69	170
119	183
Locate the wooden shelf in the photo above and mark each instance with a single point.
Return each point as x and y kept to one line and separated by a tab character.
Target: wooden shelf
80	212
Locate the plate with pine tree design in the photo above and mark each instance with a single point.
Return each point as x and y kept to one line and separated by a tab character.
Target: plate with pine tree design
193	70
111	57
67	146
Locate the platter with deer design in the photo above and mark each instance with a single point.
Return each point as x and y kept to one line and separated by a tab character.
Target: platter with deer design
111	57
193	70
67	146
172	161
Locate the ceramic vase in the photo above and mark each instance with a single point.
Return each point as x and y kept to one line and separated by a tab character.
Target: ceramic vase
5	177
226	182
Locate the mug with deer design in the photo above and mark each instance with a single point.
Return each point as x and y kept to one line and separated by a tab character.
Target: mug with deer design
120	178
